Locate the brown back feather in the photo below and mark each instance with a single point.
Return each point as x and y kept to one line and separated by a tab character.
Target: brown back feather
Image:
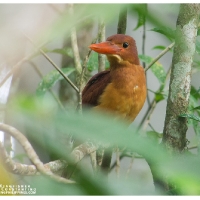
95	87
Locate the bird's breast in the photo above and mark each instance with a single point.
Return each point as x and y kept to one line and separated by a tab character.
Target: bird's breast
126	94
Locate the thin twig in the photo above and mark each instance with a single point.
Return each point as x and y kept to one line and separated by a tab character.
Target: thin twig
148	117
153	103
94	161
54	65
81	82
117	162
143	52
130	166
75	45
101	38
160	55
143	43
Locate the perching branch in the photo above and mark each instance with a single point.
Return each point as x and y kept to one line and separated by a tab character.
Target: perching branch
174	134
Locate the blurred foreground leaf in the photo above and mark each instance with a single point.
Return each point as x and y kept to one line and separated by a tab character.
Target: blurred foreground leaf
102	128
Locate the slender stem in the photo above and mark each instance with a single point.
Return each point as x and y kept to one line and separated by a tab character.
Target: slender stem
74	44
130	166
81	83
122	21
153	104
152	107
54	65
117	162
143	43
101	37
160	55
143	52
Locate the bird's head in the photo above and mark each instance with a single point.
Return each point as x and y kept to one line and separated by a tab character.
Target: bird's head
119	49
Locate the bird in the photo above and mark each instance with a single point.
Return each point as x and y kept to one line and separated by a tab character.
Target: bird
120	90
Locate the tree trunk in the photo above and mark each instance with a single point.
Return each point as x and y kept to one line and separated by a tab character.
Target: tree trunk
175	128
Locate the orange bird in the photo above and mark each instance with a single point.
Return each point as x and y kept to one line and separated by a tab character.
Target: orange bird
120	90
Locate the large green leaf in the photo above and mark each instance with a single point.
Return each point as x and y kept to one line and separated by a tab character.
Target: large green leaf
51	78
166	31
141	10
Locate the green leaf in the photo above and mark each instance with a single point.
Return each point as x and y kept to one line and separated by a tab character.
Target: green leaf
51	78
196	108
141	10
93	62
159	97
63	51
195	93
190	116
159	47
156	68
166	31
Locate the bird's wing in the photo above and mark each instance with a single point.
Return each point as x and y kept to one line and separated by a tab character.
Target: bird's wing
95	88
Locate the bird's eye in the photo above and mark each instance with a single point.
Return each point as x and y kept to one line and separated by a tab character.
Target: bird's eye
125	44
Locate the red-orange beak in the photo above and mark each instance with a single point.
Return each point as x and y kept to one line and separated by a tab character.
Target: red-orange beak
105	48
